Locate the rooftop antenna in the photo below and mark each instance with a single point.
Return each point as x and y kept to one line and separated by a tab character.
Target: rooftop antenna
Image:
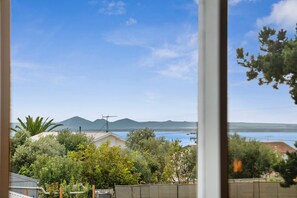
106	119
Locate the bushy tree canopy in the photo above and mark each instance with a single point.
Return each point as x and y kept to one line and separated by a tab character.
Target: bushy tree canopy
277	62
181	165
161	156
72	140
287	168
18	139
256	158
26	154
137	138
52	169
106	166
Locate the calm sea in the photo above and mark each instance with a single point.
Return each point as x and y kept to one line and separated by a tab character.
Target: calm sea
287	137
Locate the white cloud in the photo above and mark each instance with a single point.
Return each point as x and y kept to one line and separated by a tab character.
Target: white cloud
113	8
181	70
235	2
131	21
92	2
251	34
283	15
178	59
129	36
164	53
124	40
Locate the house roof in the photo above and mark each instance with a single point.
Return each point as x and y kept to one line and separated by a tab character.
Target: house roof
107	135
55	133
280	147
95	135
17	177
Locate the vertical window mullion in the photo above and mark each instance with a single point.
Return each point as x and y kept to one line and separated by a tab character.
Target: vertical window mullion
212	100
5	96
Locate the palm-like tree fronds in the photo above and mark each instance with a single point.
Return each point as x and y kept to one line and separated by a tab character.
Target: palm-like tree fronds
36	126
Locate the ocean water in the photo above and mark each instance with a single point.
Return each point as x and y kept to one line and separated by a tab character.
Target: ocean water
288	137
174	135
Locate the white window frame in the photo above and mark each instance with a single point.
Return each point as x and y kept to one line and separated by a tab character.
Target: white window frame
212	100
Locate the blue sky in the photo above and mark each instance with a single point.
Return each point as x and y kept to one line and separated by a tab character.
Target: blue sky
134	58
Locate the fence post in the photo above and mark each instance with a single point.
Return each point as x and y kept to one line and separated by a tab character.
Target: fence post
140	192
26	192
61	192
93	191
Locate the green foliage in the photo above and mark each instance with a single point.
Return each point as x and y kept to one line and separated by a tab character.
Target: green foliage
36	126
52	169
159	155
181	165
18	139
137	138
141	165
26	154
68	187
87	156
72	140
287	168
70	158
106	166
257	159
276	64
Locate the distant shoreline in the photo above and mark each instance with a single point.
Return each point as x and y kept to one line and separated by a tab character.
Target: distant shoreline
126	125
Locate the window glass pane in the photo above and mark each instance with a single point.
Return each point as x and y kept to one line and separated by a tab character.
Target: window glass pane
104	93
262	98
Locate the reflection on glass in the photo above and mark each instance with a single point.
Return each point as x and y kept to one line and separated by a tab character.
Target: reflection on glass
262	98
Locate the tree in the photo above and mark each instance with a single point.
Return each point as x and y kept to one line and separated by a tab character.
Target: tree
36	126
52	169
72	140
256	158
106	166
276	64
18	139
137	138
181	165
287	168
154	150
26	154
141	165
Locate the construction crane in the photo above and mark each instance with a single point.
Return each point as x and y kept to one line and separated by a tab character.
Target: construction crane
106	119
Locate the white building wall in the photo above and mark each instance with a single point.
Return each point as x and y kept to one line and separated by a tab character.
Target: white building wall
112	140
